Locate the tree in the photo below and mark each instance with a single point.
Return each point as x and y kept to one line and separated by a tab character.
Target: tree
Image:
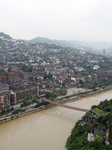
30	69
8	110
21	55
97	143
3	111
34	100
48	94
98	139
25	102
24	67
26	57
12	108
109	147
9	70
45	76
22	105
49	76
81	81
16	111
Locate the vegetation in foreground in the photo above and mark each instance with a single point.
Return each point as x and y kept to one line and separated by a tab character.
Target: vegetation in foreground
79	134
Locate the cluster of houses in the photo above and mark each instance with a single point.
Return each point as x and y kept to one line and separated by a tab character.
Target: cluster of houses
90	118
25	65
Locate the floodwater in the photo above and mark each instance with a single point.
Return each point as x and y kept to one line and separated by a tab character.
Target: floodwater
47	129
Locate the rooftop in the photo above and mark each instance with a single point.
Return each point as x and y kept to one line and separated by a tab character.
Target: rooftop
100	112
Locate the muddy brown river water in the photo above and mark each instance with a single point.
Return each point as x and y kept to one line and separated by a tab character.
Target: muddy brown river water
47	129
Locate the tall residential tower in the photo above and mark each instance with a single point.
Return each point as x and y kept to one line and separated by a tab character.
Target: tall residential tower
104	52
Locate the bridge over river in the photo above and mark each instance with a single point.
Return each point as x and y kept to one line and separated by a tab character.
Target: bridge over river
66	106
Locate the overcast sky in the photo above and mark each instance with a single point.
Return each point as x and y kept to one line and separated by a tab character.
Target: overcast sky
87	20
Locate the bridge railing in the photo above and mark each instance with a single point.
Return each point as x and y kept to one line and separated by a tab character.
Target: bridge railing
66	106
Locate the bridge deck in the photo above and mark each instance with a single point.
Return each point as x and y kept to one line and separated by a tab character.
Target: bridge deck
66	106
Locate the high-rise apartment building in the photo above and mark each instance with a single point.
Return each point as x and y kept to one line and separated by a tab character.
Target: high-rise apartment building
104	52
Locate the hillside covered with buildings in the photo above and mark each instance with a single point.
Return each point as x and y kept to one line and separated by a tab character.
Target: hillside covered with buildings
29	69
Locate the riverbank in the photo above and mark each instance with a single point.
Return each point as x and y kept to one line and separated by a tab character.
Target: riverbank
33	110
51	126
65	99
90	123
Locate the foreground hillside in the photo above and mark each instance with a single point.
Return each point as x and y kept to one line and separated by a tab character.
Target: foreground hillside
97	123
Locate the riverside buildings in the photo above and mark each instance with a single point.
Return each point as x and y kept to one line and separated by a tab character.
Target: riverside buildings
28	69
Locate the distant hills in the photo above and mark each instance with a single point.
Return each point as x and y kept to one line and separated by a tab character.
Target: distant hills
109	50
5	35
49	41
97	45
88	46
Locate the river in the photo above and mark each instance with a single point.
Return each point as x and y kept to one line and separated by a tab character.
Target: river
47	129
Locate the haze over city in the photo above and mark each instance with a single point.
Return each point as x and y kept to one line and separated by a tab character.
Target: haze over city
55	75
86	20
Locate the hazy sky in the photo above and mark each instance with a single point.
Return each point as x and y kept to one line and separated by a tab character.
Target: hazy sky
88	20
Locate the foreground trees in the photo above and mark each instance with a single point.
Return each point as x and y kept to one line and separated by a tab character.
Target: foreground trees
78	138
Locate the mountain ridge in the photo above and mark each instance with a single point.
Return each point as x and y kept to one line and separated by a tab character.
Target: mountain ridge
98	45
5	35
51	41
71	43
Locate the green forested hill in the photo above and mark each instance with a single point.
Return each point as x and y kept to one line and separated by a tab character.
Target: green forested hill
78	138
5	35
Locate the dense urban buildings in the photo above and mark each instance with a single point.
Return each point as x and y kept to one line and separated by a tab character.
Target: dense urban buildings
29	69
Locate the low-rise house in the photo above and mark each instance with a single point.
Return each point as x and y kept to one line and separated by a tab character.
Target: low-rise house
94	77
96	67
41	91
100	131
94	114
79	69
